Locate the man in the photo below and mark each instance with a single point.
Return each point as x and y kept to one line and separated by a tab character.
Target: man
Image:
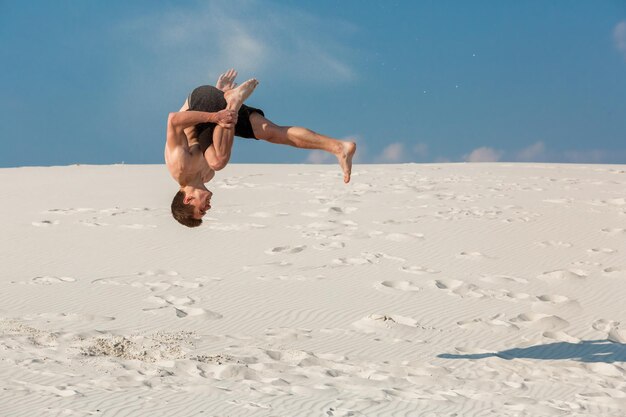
200	139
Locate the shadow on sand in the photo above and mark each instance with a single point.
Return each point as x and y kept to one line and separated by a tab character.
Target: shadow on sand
585	351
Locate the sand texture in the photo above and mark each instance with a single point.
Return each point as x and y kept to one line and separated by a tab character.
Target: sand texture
415	290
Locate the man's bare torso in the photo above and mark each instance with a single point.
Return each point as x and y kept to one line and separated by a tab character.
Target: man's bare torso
186	161
186	164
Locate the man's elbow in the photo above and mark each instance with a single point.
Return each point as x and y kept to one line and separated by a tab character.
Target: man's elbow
172	119
174	123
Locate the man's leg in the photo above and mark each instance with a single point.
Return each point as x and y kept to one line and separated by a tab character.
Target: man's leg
304	138
218	153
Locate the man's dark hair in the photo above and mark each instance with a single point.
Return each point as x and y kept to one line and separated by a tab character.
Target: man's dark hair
182	212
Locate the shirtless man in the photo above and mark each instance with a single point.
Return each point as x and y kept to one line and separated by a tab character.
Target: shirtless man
200	139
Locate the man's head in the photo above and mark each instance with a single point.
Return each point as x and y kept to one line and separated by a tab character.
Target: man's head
190	205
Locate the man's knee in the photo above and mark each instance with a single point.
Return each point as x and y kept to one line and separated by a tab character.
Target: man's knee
262	128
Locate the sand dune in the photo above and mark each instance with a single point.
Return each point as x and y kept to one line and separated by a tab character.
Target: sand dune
415	290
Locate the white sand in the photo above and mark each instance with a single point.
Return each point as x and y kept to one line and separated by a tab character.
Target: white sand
416	290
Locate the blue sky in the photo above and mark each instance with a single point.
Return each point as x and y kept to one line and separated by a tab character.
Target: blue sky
92	82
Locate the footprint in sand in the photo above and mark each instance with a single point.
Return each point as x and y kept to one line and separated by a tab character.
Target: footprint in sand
250	405
330	246
540	321
69	211
418	270
614	231
366	258
47	280
117	211
604	251
351	261
554	298
182	306
503	279
463	290
554	243
341	412
561	337
472	256
164	286
617	335
377	322
45	223
43	390
113	211
609	202
615	272
563	275
285	249
545	322
340	210
92	223
52	280
604	325
457	287
397	285
614	332
155	281
397	222
493	323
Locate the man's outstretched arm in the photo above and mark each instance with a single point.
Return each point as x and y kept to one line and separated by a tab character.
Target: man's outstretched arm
184	119
177	123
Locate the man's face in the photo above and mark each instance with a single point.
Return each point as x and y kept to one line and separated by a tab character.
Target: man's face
201	202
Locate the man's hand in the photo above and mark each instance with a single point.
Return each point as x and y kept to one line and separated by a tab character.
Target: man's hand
226	118
226	81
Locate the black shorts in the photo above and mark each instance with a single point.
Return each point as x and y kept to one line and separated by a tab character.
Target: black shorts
209	99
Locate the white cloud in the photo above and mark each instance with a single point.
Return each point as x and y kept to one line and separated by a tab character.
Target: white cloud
165	53
398	152
484	154
619	36
533	153
257	39
243	51
393	153
320	157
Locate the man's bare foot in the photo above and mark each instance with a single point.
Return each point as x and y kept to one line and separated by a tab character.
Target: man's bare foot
235	97
226	81
345	159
